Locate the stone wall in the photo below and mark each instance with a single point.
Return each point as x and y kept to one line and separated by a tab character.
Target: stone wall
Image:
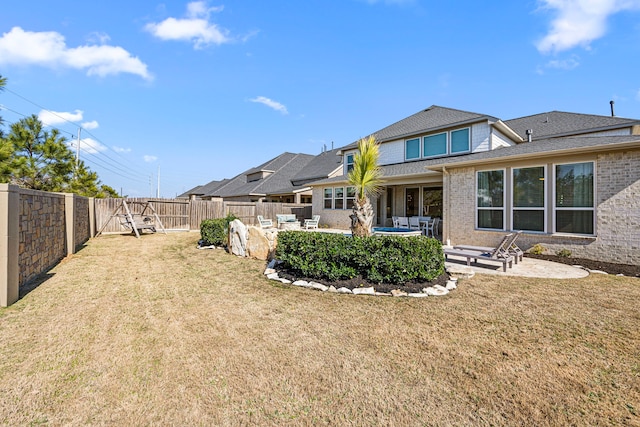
81	220
41	232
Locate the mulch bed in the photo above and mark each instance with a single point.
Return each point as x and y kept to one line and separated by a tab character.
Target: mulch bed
358	282
608	267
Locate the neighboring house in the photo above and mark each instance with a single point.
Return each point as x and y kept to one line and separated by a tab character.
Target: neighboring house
569	181
284	178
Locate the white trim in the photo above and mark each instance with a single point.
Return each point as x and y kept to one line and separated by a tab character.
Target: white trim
545	213
592	209
504	200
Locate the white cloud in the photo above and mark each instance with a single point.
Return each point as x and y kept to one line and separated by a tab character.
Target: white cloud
90	125
149	159
48	49
270	103
87	145
579	22
195	28
121	149
560	64
52	118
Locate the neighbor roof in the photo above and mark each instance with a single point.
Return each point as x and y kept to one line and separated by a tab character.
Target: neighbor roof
560	123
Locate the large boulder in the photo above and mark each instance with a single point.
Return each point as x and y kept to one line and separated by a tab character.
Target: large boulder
251	241
237	238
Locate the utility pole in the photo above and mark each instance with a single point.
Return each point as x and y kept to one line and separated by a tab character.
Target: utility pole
78	147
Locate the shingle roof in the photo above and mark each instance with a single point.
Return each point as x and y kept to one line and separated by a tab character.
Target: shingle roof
431	119
319	167
559	123
543	147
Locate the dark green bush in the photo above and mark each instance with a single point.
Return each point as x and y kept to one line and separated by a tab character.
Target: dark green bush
378	259
216	231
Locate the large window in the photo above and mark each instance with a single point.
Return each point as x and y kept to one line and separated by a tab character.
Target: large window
490	199
528	199
338	198
435	145
412	149
574	201
460	142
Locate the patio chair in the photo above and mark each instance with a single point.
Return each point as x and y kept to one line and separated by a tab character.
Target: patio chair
432	227
510	247
395	221
497	254
264	223
312	223
403	222
414	223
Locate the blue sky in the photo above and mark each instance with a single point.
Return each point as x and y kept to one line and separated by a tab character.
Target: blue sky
202	91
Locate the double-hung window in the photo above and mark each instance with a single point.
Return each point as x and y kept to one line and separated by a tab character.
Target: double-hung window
490	199
528	199
338	201
574	201
349	162
328	198
351	197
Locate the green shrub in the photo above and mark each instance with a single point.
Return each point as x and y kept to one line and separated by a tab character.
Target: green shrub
563	253
216	231
537	249
388	259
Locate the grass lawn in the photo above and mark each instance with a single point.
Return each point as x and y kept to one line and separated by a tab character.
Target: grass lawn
153	331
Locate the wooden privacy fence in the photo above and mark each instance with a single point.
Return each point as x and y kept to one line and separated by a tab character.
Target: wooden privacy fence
186	215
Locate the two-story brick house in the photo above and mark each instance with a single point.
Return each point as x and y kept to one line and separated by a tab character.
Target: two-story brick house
569	181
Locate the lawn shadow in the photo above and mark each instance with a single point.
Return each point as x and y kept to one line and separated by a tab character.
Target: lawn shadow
34	283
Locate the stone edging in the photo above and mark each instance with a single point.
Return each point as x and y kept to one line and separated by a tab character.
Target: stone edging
436	290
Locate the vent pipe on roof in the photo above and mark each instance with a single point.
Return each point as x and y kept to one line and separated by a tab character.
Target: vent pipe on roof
611	103
529	135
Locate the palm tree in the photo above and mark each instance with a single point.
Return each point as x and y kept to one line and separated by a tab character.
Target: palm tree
366	177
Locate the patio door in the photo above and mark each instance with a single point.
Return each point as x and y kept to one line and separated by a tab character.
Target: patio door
412	202
432	202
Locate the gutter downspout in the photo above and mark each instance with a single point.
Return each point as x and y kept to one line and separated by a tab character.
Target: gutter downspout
446	190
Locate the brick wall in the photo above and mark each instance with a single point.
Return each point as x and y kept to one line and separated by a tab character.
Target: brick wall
617	214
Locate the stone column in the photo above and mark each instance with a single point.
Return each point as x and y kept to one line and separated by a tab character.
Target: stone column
9	244
70	240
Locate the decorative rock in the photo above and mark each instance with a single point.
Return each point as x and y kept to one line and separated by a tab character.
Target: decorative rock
398	293
237	238
273	276
257	244
364	291
417	295
597	272
285	281
436	290
319	286
451	285
302	283
269	271
461	271
332	289
344	290
382	294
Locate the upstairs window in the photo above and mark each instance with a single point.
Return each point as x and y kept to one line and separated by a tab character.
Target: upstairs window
460	142
412	149
349	162
435	145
